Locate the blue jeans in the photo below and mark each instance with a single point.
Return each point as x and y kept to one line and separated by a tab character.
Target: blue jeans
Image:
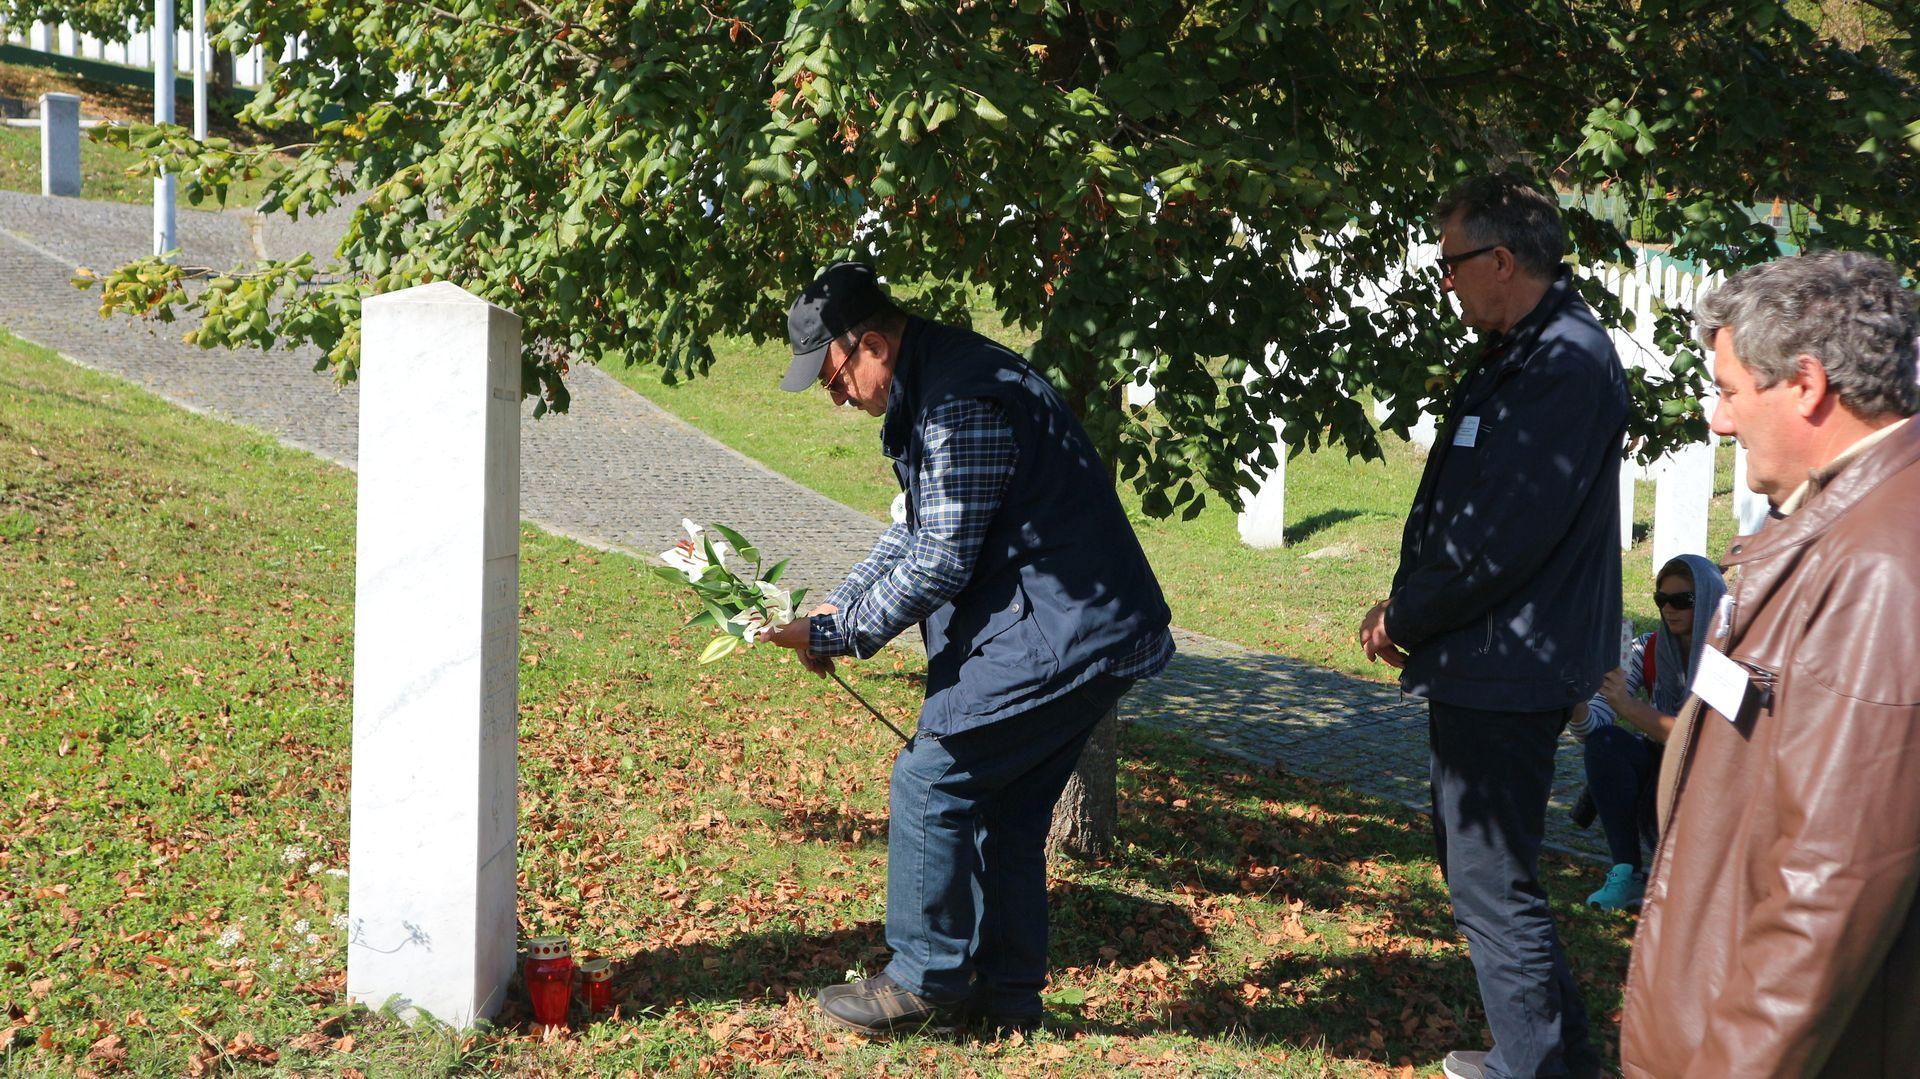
1620	765
966	851
1491	775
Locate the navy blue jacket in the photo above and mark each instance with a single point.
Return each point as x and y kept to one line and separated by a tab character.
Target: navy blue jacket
1061	589
1508	593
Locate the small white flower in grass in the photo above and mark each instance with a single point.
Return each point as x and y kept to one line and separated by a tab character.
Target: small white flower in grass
275	964
301	926
339	921
231	937
293	854
336	872
312	938
315	868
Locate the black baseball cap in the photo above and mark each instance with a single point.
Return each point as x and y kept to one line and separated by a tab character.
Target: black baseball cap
844	295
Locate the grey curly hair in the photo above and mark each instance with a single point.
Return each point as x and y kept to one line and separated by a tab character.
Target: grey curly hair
1848	310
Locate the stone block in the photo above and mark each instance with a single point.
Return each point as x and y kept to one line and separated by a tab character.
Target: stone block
60	145
436	647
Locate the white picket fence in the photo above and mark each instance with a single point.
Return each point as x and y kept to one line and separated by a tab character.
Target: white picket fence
1683	479
136	48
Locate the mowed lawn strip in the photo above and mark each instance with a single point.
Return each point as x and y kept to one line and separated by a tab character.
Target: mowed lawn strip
176	612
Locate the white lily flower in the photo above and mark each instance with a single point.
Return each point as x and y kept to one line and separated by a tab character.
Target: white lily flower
689	556
779	604
779	601
753	625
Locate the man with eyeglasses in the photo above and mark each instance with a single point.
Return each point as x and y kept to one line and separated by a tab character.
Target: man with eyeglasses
1504	611
1780	933
1038	610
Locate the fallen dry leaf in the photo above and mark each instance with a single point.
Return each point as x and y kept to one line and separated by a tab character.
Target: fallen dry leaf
109	1053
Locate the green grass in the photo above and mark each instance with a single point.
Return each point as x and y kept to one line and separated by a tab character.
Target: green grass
103	173
176	613
1343	515
103	168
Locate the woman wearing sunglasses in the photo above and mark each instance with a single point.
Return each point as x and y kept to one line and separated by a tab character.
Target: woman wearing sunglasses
1625	725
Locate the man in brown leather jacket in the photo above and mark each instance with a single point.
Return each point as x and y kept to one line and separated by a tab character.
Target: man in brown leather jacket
1780	934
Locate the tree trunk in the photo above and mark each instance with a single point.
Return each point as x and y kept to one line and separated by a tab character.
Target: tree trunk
1083	817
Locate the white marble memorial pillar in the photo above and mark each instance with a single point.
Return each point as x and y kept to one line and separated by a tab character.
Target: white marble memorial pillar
1749	506
1682	495
1421	432
60	144
1263	519
436	647
1629	474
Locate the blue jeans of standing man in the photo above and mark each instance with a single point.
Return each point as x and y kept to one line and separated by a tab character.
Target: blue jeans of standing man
1492	772
966	851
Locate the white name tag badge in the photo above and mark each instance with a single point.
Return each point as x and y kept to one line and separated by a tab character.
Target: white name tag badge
1468	432
1720	682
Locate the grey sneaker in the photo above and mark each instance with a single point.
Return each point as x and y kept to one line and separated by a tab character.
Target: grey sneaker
1464	1065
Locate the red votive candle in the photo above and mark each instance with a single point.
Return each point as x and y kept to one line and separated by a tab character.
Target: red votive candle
549	978
597	990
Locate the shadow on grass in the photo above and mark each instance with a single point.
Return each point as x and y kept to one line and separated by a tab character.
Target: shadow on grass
1400	985
767	966
1384	977
1306	527
828	822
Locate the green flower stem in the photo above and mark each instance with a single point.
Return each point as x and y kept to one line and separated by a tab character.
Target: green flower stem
904	740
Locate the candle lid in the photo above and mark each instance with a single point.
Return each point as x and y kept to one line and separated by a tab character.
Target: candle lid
548	947
596	969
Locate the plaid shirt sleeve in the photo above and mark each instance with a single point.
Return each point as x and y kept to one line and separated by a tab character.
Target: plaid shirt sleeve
970	456
886	552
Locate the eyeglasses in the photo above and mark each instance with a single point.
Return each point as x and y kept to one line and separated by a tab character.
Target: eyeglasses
1679	601
1447	263
826	381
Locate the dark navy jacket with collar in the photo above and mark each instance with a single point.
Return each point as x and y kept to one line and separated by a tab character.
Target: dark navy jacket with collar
1061	590
1508	593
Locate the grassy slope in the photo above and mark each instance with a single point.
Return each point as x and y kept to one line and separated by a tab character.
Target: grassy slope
1305	600
103	169
176	615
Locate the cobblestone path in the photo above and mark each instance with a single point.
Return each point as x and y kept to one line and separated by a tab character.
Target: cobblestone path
618	472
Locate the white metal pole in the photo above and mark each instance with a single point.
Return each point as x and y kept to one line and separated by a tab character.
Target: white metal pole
163	72
200	70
